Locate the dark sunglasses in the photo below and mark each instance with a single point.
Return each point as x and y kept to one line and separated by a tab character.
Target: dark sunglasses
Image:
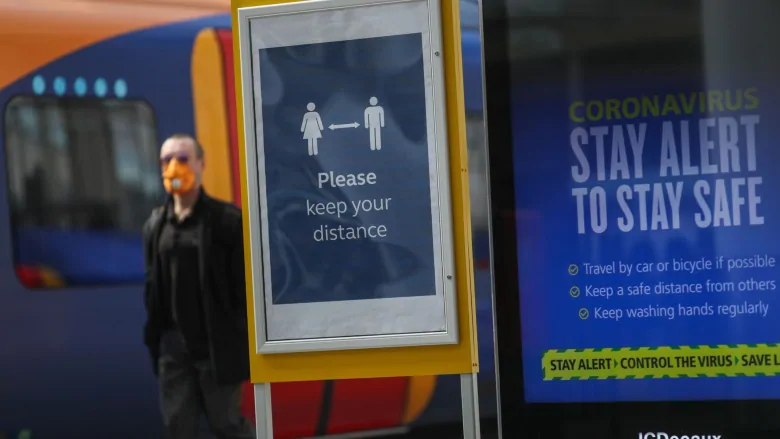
181	158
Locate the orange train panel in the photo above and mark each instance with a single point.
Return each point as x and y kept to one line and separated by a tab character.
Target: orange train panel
367	404
418	396
210	105
37	32
226	40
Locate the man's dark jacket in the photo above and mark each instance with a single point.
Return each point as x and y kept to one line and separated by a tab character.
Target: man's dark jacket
221	264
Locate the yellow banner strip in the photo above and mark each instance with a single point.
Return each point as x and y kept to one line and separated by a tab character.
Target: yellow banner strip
700	361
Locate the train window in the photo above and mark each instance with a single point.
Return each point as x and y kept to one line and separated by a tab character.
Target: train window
83	176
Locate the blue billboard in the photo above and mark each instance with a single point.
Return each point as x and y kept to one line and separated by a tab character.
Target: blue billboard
647	240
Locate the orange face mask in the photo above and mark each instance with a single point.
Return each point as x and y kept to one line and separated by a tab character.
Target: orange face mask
178	178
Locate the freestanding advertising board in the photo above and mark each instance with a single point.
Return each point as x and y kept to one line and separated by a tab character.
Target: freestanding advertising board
635	235
354	171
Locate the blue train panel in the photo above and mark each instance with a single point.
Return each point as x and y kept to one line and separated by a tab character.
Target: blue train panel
77	353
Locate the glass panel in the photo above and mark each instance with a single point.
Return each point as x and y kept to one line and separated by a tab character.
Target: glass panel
632	185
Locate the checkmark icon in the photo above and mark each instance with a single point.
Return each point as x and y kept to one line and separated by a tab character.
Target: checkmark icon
584	314
574	269
574	292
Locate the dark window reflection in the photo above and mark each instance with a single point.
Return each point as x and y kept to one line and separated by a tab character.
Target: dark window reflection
81	164
83	175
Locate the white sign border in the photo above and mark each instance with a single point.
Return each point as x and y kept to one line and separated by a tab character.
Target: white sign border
441	223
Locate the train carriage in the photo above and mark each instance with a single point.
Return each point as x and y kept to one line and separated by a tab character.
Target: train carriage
88	90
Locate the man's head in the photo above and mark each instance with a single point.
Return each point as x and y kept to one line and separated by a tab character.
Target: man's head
182	163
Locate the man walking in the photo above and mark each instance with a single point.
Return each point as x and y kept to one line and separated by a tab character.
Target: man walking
196	329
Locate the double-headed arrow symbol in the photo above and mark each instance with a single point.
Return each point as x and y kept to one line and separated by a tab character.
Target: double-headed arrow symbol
346	125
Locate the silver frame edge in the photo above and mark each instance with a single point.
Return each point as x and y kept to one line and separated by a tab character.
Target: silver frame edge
257	253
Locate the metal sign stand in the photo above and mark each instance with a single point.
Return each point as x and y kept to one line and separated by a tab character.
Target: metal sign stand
264	420
442	312
469	403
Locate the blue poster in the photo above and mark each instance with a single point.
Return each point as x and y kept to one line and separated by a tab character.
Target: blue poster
347	170
648	238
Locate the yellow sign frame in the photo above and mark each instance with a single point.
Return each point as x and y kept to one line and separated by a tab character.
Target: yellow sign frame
460	358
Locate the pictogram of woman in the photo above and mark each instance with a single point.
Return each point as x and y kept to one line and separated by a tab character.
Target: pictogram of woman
312	128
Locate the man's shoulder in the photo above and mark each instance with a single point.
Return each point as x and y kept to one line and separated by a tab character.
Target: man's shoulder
228	220
228	213
147	230
155	216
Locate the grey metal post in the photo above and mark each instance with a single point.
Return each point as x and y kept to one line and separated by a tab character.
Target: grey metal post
263	416
469	402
